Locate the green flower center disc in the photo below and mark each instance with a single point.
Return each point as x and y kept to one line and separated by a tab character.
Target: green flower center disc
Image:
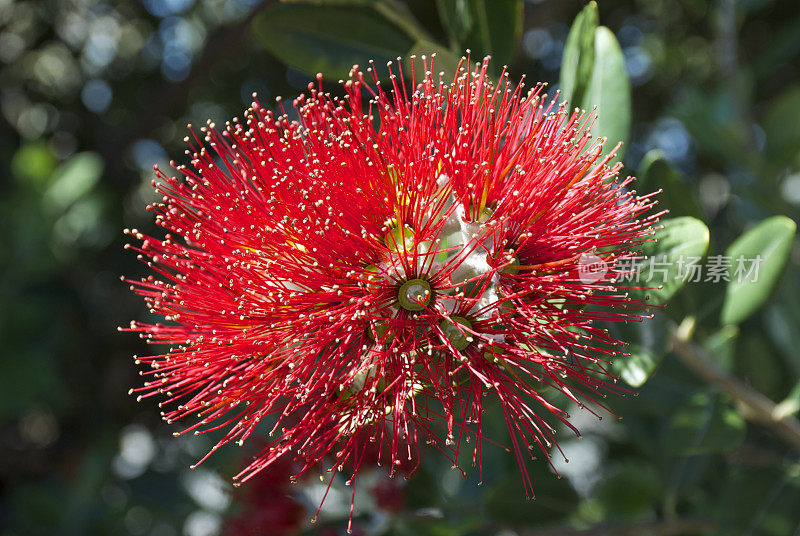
414	295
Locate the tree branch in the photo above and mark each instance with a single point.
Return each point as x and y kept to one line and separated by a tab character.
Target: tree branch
760	409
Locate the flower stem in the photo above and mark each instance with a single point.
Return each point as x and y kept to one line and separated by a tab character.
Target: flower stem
760	409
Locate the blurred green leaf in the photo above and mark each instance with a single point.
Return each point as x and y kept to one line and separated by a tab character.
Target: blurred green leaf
33	163
722	344
783	137
444	61
457	19
674	244
630	492
578	58
771	242
647	343
497	29
610	90
656	172
760	501
704	426
330	39
555	499
72	180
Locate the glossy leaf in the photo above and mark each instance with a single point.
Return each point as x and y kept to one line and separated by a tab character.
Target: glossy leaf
678	243
330	39
496	30
647	343
704	426
457	19
655	173
578	59
610	90
771	242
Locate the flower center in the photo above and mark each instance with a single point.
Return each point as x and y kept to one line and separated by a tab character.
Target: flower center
414	294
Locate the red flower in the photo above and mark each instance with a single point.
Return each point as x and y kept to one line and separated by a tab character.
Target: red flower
378	266
268	509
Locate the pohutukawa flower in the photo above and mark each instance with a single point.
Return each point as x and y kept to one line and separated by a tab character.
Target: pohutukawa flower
370	271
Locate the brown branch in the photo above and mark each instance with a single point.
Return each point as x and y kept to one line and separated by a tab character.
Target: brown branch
659	528
760	409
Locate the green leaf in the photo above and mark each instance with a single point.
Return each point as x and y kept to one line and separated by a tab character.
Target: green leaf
578	58
654	173
647	343
610	90
704	426
722	345
630	492
457	19
676	243
33	163
497	29
444	61
72	180
782	136
330	39
555	499
771	241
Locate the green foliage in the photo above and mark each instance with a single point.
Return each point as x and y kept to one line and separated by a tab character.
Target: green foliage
330	39
705	425
609	89
674	243
655	173
578	61
647	343
769	243
593	74
485	26
728	163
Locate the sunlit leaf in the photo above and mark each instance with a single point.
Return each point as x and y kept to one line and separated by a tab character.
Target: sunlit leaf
72	180
647	342
764	249
578	59
677	245
33	163
610	90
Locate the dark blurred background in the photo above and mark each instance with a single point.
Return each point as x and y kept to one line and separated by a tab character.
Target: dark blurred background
94	93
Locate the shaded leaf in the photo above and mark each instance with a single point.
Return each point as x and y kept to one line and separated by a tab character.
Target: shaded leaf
610	90
647	343
555	499
655	172
771	242
578	59
631	491
444	61
457	18
704	426
330	39
678	241
497	29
